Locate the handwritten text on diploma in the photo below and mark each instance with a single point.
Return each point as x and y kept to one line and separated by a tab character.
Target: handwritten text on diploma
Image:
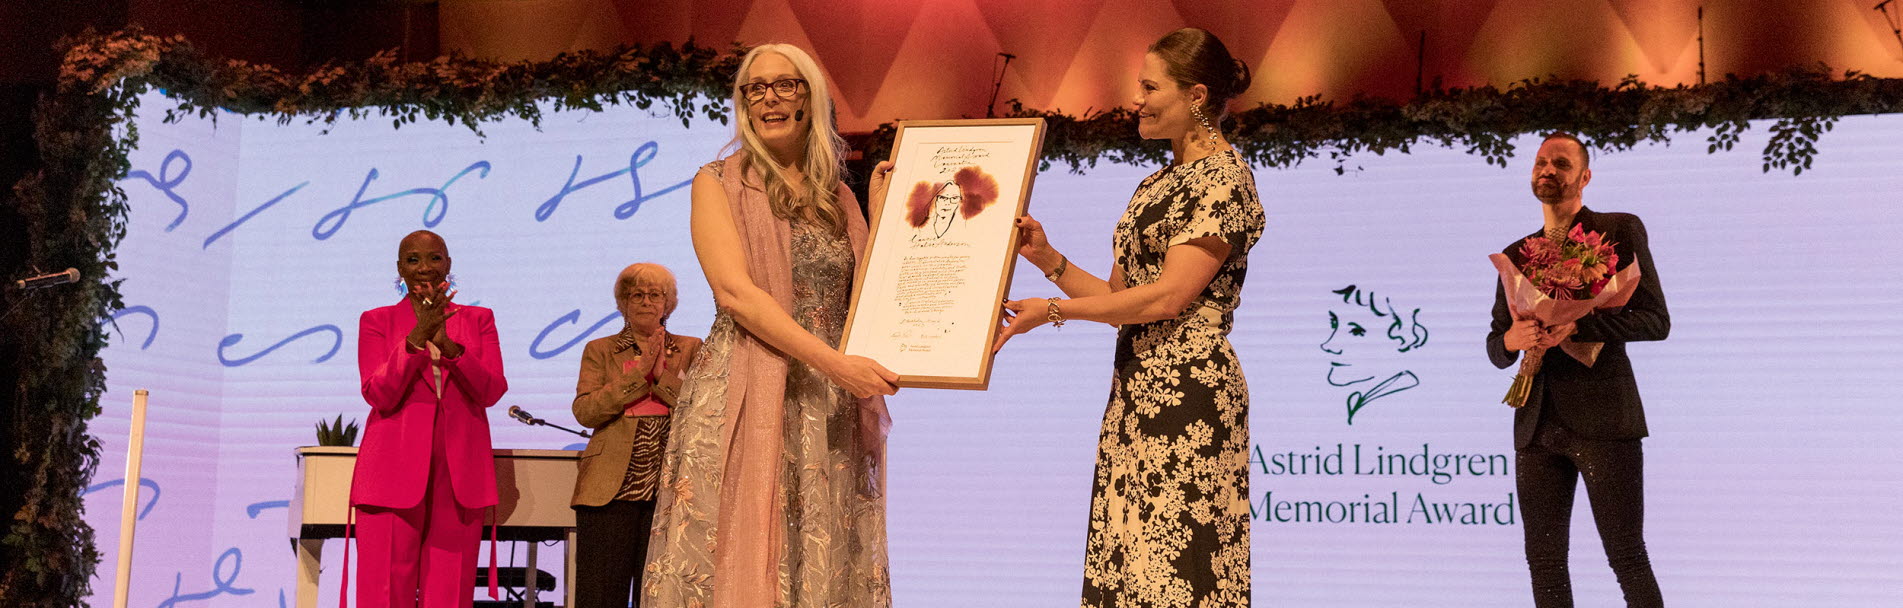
950	158
926	284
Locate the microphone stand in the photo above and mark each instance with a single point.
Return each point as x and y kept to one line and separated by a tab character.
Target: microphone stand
522	416
997	83
1896	25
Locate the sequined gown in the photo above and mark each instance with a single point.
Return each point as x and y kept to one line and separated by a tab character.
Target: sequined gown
1169	510
835	541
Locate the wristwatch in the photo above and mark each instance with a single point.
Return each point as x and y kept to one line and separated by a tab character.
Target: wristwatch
1063	264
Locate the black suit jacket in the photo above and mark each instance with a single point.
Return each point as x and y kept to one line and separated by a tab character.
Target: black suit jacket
1602	401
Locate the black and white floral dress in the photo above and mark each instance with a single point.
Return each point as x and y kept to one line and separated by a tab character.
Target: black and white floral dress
1169	511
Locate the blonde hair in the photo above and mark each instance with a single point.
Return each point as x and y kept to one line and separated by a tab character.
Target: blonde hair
825	150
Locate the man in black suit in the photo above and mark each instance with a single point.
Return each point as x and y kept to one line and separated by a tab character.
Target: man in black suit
1582	420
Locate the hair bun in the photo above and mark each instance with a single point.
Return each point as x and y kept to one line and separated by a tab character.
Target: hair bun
1242	77
1193	56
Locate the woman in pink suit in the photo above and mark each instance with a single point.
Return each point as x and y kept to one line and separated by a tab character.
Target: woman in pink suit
425	474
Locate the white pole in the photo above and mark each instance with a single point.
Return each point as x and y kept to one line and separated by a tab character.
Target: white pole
128	512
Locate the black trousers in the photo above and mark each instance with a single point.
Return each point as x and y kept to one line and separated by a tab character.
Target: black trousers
1548	470
611	547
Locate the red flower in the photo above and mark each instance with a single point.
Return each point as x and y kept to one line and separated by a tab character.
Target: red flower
1576	269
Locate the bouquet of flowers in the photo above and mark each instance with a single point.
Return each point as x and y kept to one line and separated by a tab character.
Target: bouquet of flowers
1565	276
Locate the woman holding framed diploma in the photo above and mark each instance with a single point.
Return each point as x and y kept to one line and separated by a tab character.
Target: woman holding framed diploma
771	491
1169	510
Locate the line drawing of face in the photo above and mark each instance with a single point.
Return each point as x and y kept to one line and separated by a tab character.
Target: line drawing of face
945	205
1351	341
933	205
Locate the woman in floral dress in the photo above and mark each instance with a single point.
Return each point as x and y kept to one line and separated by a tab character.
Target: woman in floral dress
1169	510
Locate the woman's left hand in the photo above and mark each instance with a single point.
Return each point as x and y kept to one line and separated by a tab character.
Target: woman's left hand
450	348
653	352
1017	321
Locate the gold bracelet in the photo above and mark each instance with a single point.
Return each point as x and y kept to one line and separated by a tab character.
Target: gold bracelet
1055	315
1063	264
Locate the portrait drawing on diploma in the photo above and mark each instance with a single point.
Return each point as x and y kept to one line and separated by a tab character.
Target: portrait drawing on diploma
941	254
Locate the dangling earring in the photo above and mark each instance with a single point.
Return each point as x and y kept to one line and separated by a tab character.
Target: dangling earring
403	288
1203	119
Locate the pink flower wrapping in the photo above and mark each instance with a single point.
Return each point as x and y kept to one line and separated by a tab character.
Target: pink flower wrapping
1558	284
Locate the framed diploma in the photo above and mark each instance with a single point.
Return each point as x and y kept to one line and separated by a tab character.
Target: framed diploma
926	304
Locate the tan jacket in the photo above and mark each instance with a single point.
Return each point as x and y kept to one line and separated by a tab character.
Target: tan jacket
602	391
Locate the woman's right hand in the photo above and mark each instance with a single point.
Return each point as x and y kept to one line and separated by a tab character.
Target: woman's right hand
861	376
1034	245
431	318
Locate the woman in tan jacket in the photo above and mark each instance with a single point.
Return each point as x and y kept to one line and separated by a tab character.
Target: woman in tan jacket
626	388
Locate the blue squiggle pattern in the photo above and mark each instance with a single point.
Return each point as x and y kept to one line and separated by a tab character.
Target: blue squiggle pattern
535	348
167	183
337	342
249	214
328	225
139	310
221	584
252	510
144	482
641	157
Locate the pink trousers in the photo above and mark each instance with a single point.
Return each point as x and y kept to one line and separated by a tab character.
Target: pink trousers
426	553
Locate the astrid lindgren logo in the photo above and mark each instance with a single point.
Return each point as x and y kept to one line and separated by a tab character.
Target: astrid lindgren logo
1358	357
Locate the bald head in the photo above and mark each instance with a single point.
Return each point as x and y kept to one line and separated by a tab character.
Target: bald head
421	238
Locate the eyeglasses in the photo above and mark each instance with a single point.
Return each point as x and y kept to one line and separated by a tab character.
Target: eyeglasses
637	296
784	89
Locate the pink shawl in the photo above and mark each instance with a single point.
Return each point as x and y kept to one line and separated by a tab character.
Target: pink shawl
750	523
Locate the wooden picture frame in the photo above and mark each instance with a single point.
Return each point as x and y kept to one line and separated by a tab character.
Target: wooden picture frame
943	246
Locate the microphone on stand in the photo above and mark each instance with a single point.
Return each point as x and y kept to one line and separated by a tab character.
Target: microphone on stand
69	275
27	285
523	416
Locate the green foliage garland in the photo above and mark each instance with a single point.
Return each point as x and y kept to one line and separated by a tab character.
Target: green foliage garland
1804	102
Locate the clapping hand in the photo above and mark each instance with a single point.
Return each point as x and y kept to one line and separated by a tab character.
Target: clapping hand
432	318
650	355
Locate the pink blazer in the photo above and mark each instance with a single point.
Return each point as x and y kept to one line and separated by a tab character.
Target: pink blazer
393	465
